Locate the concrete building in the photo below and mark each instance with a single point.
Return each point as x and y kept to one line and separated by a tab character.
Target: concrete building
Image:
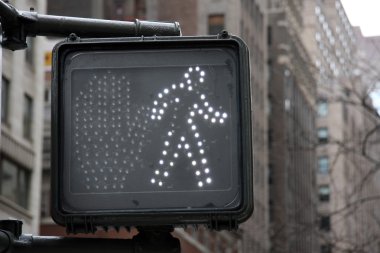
346	222
368	72
292	91
21	129
127	10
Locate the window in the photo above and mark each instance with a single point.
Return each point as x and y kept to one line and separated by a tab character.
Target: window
269	34
323	165
322	107
4	99
29	54
47	95
323	135
45	194
324	193
14	183
326	248
215	24
28	117
325	223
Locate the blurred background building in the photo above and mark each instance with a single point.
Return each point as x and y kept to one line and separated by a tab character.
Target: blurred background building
292	91
316	134
21	130
342	119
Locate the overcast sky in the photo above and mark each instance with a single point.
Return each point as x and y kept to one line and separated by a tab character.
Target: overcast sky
364	13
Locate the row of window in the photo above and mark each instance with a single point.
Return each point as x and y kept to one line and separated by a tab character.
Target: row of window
27	109
15	182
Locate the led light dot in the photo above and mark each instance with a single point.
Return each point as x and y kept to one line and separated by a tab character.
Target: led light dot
200	111
201	151
221	121
176	100
174	86
153	117
189	88
189	121
160	183
181	85
197	68
199	143
195	106
179	146
161	162
165	105
192	114
200	184
171	164
166	143
206	116
197	173
157	172
224	115
203	96
194	163
193	127
186	75
170	133
159	95
159	117
196	135
187	146
166	91
164	152
213	120
189	154
166	174
208	180
201	80
217	114
175	155
207	170
182	138
190	69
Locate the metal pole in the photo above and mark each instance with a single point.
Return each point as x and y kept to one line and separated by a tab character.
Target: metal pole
1	74
17	25
48	25
48	244
149	240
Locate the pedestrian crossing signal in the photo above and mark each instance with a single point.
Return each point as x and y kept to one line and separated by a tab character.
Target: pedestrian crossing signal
152	132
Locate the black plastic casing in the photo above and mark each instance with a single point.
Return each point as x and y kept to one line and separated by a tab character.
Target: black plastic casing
88	222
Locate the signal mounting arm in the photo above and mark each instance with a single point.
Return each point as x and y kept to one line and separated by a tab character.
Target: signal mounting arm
18	25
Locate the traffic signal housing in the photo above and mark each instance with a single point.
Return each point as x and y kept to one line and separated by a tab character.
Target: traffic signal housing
151	131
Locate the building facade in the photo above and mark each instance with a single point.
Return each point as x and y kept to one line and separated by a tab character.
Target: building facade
292	91
344	180
21	129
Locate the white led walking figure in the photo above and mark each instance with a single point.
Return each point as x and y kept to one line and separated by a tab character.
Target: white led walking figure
189	145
